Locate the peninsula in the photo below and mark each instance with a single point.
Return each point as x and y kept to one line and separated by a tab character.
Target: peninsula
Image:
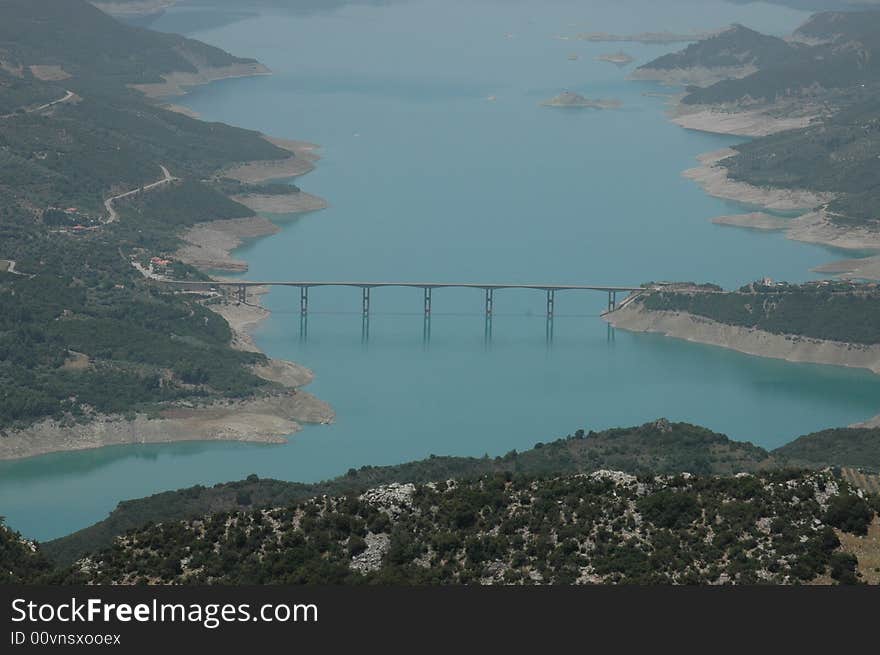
818	322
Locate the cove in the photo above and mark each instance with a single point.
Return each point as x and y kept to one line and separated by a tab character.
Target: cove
429	179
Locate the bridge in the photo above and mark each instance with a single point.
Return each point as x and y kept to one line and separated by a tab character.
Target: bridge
241	287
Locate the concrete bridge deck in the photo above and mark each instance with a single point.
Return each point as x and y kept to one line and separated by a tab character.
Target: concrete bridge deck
488	287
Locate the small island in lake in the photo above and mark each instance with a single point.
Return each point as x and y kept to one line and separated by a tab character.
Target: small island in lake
619	58
569	99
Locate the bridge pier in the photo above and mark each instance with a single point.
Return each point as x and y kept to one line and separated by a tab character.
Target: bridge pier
490	293
242	294
303	300
366	301
551	300
612	301
427	301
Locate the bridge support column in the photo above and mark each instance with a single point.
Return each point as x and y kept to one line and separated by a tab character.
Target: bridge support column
427	301
365	329
303	300
490	293
366	301
303	327
612	300
242	294
551	299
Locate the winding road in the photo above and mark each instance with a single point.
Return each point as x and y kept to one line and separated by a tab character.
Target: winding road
167	177
70	95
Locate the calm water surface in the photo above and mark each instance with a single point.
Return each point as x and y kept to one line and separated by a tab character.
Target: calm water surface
428	179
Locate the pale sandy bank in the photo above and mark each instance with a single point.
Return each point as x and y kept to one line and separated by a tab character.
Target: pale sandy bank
754	123
303	161
180	109
753	221
714	179
208	245
292	203
133	7
865	268
264	420
682	325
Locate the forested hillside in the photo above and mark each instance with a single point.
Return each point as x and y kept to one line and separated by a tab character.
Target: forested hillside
22	561
607	527
733	48
93	47
81	332
838	155
659	447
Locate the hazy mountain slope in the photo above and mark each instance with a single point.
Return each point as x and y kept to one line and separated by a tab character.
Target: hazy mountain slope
87	43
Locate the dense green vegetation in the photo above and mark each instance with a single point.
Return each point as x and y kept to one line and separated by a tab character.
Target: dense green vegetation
834	311
21	562
145	346
80	152
773	528
19	93
138	348
855	447
838	155
179	205
658	447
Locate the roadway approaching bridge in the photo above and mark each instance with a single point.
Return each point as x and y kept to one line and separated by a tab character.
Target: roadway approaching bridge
240	287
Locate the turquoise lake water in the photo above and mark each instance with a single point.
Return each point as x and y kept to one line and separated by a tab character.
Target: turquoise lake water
428	179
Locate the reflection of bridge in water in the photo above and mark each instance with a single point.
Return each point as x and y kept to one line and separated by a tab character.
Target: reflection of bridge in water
240	289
